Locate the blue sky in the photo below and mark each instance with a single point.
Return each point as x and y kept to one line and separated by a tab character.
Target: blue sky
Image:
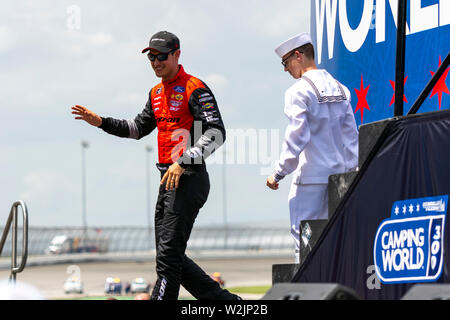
48	64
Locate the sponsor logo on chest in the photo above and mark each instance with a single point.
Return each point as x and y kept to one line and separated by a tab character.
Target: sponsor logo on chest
164	103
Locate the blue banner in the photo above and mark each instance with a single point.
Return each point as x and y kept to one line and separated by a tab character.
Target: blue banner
356	42
409	245
390	231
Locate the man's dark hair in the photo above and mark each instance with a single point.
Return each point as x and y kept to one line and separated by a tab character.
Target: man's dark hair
307	49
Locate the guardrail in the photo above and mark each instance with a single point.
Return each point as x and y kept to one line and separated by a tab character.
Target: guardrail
12	219
128	239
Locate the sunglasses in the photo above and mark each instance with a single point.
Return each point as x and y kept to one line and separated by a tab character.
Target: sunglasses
159	56
284	61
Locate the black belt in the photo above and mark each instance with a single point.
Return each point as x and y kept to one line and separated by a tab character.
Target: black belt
163	166
194	168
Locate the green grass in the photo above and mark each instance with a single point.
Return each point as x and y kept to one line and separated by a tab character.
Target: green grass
249	290
106	297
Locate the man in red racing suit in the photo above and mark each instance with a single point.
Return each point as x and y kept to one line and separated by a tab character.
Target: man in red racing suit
190	128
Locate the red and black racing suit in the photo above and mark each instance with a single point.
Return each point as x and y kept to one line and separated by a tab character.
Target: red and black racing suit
190	128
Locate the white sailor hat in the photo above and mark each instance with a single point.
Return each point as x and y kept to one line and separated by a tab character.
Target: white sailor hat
293	43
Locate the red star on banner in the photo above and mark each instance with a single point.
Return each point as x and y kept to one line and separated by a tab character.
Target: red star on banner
440	85
393	87
362	100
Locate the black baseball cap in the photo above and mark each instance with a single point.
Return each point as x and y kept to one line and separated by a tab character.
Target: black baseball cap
164	42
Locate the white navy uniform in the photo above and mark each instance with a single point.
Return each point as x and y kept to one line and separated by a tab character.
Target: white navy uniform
321	139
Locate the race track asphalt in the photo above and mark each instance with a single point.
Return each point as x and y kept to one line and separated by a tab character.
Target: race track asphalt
236	272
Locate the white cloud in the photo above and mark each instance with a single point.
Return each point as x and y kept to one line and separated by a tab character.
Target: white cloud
43	186
7	39
78	43
38	183
216	81
135	99
285	18
99	39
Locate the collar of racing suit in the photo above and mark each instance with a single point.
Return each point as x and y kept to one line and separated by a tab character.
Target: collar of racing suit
179	74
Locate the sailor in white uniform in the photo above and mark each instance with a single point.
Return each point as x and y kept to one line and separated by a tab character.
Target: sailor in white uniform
321	138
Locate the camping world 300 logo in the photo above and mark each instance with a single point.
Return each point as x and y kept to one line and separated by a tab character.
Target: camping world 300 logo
409	245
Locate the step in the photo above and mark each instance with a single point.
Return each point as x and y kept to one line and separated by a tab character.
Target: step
338	185
284	272
368	137
310	231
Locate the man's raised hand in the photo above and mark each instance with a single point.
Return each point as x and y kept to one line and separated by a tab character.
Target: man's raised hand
84	114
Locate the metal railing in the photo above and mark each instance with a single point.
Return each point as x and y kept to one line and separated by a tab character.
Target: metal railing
430	85
12	218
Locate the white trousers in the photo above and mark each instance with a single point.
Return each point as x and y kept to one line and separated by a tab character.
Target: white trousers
306	202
